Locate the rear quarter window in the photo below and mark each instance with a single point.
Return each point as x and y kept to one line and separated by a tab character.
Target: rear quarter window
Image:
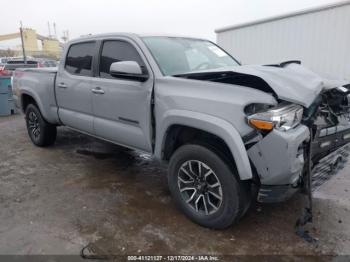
79	59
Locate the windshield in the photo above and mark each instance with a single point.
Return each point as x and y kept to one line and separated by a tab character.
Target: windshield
176	55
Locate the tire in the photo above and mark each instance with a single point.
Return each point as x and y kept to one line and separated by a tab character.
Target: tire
40	132
187	189
245	186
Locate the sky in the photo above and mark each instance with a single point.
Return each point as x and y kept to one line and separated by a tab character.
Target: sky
197	18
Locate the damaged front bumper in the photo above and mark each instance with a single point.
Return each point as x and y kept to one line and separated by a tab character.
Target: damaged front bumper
279	159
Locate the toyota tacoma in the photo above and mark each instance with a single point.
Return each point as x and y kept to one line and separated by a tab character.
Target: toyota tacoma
230	133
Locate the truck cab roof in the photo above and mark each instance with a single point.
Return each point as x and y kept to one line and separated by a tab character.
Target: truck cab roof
128	35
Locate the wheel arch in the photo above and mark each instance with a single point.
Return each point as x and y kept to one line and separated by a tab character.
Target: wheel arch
26	100
27	97
175	121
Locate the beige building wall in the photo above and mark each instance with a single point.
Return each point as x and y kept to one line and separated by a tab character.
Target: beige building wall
30	40
51	46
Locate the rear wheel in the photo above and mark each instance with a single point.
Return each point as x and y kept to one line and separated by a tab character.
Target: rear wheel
204	187
40	132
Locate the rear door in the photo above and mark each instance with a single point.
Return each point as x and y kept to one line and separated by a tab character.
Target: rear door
123	107
73	87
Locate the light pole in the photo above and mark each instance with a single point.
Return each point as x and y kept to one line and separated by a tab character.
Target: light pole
23	49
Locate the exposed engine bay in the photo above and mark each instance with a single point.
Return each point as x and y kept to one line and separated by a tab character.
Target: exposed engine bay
334	107
329	118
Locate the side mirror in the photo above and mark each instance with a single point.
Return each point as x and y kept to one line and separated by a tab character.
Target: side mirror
128	70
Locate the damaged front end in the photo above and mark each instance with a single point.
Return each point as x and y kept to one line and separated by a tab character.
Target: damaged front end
329	119
288	149
307	129
277	150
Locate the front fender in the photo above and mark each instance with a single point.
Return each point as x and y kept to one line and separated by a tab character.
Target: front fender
211	124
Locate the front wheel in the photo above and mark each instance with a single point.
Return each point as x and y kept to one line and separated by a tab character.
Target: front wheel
40	132
204	187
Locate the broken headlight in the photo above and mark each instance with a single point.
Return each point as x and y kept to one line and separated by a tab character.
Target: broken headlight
282	117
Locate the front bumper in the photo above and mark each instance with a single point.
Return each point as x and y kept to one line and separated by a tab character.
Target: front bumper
279	157
275	194
324	170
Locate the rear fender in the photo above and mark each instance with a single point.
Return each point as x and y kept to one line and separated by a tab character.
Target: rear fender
49	114
35	98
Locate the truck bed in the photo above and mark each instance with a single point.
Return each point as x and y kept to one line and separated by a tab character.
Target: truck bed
39	70
38	82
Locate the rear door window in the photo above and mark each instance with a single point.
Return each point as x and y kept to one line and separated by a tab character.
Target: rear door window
79	59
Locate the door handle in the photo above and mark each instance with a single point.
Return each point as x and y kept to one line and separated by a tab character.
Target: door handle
62	85
98	90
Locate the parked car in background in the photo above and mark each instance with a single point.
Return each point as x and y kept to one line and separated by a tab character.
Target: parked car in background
230	133
3	60
12	65
50	63
46	63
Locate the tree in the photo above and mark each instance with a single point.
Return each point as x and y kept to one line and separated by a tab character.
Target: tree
7	52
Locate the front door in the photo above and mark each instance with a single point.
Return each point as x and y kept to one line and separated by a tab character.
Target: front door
122	108
73	87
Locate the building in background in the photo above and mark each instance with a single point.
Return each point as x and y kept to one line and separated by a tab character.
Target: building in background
319	38
35	45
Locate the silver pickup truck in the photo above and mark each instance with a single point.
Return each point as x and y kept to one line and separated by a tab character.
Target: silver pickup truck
230	133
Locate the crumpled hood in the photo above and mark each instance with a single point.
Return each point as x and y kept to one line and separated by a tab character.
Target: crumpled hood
293	83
